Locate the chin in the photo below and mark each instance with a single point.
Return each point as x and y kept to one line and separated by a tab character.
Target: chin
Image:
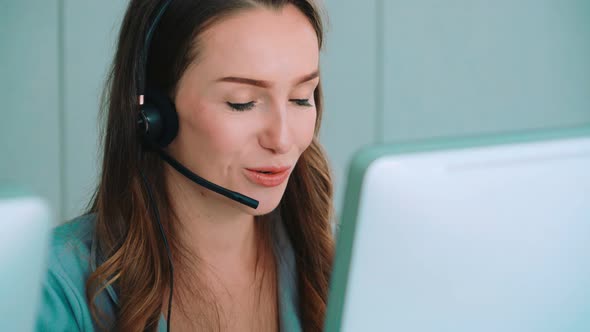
265	206
267	202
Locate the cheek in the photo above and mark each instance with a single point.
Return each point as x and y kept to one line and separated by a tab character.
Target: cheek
306	129
210	129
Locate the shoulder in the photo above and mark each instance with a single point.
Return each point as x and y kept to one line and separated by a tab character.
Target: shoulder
69	252
69	262
71	241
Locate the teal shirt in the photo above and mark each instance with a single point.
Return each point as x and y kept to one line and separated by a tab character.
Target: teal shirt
72	258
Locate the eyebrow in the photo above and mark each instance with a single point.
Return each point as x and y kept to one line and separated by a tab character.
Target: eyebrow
266	84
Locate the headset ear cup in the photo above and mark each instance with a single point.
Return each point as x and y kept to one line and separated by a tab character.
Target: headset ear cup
160	118
150	123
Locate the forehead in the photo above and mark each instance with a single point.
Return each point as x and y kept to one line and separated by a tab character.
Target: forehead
260	43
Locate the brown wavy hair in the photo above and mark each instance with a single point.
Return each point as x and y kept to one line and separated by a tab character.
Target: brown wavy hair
127	236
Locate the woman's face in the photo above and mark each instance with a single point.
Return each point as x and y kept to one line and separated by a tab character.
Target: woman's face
246	105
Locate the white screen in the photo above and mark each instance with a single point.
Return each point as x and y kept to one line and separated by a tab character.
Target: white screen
482	239
24	228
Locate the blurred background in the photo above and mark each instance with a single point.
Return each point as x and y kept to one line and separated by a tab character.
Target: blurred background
392	70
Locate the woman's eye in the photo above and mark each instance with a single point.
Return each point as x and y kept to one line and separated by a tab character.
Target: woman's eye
302	102
241	107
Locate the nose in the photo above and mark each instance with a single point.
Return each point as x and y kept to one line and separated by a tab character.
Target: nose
276	135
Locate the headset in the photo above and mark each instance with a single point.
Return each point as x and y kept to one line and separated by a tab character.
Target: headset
158	125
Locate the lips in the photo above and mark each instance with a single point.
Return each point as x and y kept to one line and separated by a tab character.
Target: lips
268	176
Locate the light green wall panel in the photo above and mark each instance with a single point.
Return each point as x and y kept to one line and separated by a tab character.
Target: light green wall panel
30	130
90	33
349	71
459	67
392	70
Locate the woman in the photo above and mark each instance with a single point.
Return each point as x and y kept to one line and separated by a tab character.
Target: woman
243	77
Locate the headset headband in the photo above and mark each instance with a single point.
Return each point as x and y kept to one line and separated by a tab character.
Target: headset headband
141	70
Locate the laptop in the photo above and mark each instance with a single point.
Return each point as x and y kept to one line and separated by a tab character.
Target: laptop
25	223
473	234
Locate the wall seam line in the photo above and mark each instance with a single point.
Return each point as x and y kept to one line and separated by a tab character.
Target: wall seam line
379	74
61	108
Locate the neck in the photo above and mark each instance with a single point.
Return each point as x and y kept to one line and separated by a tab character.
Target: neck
210	226
231	272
